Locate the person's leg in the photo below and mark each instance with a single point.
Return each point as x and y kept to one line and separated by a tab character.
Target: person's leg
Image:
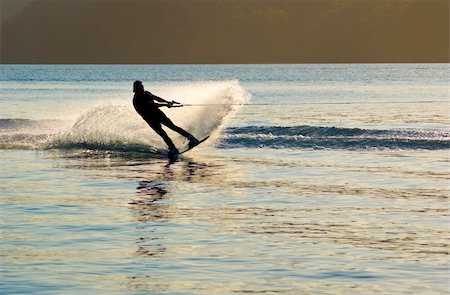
192	140
158	129
167	122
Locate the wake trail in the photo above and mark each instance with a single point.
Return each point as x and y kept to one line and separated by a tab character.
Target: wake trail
336	138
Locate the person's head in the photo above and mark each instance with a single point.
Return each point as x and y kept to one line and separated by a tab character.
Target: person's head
138	87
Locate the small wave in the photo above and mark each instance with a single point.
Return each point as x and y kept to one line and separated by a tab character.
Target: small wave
14	124
8	124
18	133
317	137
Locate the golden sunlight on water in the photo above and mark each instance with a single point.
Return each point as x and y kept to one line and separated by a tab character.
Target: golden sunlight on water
228	225
332	179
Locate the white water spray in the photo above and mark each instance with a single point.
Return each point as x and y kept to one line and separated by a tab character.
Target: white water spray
117	124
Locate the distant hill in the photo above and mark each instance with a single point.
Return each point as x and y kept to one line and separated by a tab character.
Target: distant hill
227	31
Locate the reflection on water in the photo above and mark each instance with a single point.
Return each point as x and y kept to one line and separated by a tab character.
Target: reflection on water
149	192
220	224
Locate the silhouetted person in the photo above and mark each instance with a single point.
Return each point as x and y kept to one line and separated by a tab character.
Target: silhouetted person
145	105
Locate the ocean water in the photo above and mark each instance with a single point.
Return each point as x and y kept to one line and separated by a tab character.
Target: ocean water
317	179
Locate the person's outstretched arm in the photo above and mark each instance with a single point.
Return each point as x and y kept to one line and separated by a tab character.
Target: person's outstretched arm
163	102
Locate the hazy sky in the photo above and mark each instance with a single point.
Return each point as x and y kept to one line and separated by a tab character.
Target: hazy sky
224	31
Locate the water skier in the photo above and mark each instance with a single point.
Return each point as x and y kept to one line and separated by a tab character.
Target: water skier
145	105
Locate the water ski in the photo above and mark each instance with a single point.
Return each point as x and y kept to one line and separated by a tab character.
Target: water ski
174	157
199	142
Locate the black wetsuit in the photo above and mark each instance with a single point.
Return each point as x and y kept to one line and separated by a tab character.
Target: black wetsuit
146	107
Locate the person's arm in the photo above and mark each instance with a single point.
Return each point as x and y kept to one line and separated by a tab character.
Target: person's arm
163	102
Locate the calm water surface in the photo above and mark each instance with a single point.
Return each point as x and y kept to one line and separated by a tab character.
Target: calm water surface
319	179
